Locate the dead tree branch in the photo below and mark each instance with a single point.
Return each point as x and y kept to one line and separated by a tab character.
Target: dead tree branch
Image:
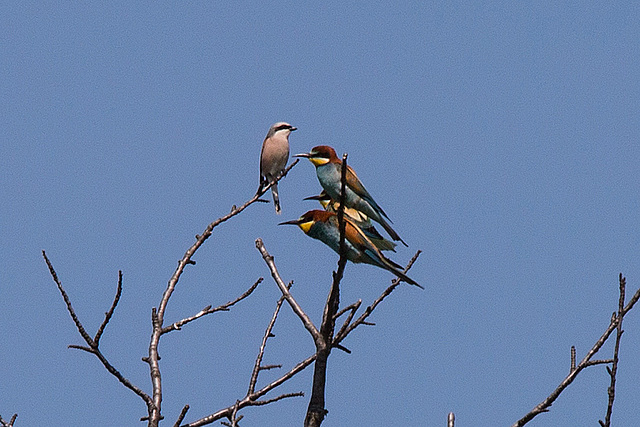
316	410
208	309
306	321
586	361
611	391
252	396
345	331
183	414
9	423
94	342
362	320
257	367
158	315
154	400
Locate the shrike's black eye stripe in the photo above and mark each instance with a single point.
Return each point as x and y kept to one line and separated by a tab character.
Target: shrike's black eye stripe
281	127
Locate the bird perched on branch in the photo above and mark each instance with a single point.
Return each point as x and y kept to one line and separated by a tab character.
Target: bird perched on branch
358	218
323	226
329	170
273	158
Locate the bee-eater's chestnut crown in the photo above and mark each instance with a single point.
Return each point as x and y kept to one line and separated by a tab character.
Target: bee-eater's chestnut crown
321	155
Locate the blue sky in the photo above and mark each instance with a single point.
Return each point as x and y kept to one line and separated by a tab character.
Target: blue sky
501	138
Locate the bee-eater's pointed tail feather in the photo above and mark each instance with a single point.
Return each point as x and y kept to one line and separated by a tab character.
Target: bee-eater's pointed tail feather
392	232
410	280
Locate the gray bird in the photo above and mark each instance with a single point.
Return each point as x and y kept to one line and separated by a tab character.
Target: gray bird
274	157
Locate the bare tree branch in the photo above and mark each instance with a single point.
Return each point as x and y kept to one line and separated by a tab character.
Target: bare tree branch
316	410
109	314
344	331
586	361
93	344
352	309
208	310
267	334
275	399
183	414
158	315
67	301
252	398
611	391
306	321
9	423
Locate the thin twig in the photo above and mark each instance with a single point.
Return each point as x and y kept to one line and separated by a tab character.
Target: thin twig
250	400
306	321
93	345
573	358
353	308
183	413
275	399
257	367
208	310
598	362
546	403
67	301
611	390
109	314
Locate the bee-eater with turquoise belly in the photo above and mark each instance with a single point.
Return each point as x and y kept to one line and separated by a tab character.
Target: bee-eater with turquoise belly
323	226
358	218
329	170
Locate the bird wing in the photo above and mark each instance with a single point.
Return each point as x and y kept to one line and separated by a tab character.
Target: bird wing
358	239
356	186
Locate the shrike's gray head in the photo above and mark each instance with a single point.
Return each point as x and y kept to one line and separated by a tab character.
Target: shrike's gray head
283	127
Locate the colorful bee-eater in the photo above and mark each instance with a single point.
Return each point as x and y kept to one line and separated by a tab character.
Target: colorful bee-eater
273	158
358	218
329	169
323	226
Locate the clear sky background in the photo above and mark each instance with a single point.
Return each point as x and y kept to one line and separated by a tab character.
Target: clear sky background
500	137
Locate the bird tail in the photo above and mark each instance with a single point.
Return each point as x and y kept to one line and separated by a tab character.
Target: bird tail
377	258
391	231
406	278
397	270
276	197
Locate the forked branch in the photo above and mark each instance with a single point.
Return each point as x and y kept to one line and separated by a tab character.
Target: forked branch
616	320
93	343
9	423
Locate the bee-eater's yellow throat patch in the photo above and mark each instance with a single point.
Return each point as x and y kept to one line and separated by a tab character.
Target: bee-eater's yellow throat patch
306	226
319	161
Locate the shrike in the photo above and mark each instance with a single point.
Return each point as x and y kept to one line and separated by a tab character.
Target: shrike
274	157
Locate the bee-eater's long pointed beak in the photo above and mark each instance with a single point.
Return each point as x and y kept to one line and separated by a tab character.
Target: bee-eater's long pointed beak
292	222
306	155
319	197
